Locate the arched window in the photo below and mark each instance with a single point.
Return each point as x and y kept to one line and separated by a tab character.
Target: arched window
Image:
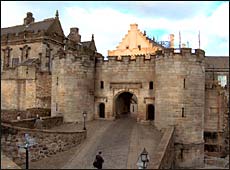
101	110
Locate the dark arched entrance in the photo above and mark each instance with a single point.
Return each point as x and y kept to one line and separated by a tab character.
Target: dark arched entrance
125	103
150	112
102	110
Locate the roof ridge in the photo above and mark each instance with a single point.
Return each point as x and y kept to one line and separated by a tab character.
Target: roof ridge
45	20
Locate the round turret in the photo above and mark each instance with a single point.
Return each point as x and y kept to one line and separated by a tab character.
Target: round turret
180	96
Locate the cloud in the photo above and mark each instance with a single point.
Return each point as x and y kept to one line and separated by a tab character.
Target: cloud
109	21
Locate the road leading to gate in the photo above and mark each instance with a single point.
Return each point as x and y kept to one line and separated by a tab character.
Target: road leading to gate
121	141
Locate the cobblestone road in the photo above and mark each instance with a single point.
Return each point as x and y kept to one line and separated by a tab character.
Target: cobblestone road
121	141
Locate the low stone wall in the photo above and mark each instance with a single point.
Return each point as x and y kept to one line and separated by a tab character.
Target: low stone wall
8	115
47	122
164	156
48	142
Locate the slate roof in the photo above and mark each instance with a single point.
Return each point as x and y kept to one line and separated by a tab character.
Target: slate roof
35	27
89	44
217	62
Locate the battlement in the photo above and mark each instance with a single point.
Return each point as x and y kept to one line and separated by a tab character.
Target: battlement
126	58
72	58
185	53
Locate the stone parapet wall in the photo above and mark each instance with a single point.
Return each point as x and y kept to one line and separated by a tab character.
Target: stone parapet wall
47	122
8	115
48	142
164	155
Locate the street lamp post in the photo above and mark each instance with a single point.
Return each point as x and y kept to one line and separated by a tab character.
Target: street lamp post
144	158
84	116
29	142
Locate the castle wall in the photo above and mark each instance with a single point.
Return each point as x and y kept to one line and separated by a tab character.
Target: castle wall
73	87
126	75
180	86
43	89
18	94
33	52
27	86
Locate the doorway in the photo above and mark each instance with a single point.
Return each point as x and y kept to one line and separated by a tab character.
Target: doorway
150	112
125	103
102	110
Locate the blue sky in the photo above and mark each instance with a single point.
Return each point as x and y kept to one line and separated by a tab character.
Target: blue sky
109	21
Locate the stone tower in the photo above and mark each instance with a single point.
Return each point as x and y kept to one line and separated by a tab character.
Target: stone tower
180	96
73	84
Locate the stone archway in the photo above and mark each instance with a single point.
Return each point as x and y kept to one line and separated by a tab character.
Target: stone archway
125	103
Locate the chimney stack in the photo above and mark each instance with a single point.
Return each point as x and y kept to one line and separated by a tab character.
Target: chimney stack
171	40
74	35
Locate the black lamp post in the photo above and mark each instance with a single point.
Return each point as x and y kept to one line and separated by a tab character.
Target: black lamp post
29	142
84	116
144	158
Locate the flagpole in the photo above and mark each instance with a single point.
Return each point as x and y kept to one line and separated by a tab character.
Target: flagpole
179	40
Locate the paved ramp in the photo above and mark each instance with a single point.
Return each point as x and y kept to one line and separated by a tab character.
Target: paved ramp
121	141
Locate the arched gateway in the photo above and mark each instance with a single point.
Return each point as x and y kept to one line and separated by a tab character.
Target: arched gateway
125	103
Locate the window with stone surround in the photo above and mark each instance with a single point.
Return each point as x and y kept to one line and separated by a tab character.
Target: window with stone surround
15	62
102	84
151	85
57	81
25	52
182	110
184	83
222	80
6	52
56	107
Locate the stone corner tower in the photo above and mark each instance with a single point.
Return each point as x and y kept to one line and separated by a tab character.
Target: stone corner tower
73	84
180	96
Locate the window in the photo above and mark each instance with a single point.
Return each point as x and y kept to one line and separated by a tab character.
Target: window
139	47
57	81
150	85
222	80
127	47
56	107
181	153
15	62
102	84
184	83
182	112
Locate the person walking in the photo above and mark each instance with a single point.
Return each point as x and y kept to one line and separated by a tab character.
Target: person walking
98	161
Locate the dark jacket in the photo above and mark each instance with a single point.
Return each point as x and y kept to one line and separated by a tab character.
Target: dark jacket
99	161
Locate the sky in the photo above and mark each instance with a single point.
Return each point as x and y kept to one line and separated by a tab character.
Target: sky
110	21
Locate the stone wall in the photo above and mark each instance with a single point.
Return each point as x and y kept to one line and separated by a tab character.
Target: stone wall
48	142
8	115
73	86
180	96
43	89
164	155
47	122
126	75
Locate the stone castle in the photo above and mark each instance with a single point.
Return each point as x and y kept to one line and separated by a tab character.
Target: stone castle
184	88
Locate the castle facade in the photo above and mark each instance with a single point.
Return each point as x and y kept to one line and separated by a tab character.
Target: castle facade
184	88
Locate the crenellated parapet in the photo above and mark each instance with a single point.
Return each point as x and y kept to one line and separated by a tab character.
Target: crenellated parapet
126	59
197	55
